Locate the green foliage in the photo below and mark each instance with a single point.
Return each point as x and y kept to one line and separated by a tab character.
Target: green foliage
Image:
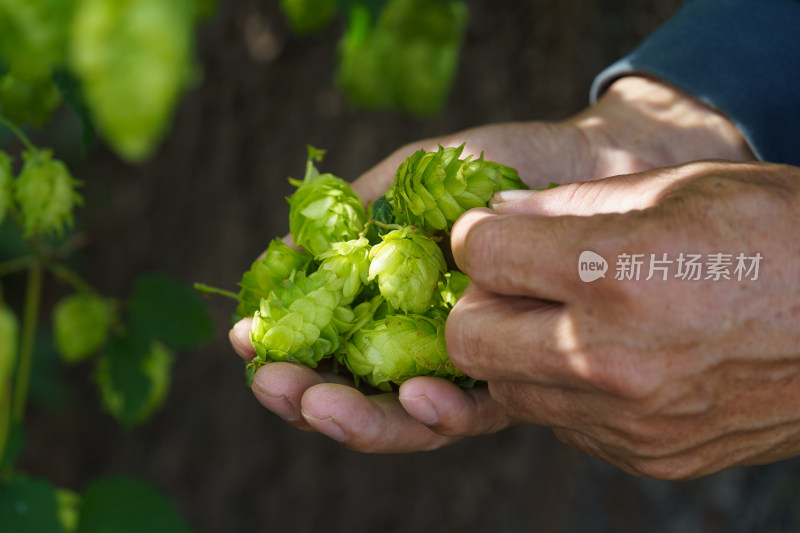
6	185
407	60
134	58
28	100
81	323
133	378
127	505
164	309
28	505
308	16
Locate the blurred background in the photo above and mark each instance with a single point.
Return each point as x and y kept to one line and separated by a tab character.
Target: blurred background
208	202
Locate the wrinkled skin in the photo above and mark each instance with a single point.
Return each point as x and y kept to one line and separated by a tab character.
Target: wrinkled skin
668	379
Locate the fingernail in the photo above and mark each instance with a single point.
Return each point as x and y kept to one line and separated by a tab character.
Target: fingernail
422	409
327	426
502	197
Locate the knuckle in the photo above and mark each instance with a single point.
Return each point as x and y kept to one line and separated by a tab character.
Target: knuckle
479	255
460	338
668	469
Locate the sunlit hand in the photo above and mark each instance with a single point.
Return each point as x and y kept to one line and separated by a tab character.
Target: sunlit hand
669	378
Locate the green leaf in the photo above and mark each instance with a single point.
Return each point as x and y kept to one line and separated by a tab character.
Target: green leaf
72	92
134	59
28	505
163	308
382	212
28	100
128	505
133	376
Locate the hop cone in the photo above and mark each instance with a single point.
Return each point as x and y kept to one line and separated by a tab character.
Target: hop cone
347	264
408	265
399	347
6	184
45	193
299	321
323	210
279	262
81	324
432	189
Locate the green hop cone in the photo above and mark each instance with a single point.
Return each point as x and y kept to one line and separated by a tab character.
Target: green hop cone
432	189
323	210
408	265
45	193
6	185
299	321
81	324
347	263
279	262
397	348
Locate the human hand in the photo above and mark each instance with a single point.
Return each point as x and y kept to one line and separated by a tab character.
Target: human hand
638	124
663	378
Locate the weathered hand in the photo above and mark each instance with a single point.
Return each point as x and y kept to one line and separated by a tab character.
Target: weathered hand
669	378
637	125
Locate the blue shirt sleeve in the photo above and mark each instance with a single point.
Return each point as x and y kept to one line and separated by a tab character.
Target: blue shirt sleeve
742	57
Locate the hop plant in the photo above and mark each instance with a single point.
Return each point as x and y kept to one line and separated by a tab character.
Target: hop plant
452	287
280	262
397	348
432	189
81	325
45	193
347	264
408	266
299	321
9	330
6	184
323	210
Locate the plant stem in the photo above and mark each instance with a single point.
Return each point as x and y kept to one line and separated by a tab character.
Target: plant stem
15	265
65	273
18	132
208	289
30	317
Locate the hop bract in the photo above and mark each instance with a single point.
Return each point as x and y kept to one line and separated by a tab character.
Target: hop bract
432	189
324	210
279	262
45	193
408	265
397	348
452	287
299	321
347	263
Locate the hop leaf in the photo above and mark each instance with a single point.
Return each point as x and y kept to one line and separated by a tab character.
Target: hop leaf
298	322
397	348
45	193
432	189
408	266
347	264
279	262
134	58
81	324
28	100
324	210
6	185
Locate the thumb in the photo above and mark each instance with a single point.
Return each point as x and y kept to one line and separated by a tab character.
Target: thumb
617	194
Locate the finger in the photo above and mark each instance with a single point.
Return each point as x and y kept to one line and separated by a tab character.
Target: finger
239	336
375	424
450	410
280	387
